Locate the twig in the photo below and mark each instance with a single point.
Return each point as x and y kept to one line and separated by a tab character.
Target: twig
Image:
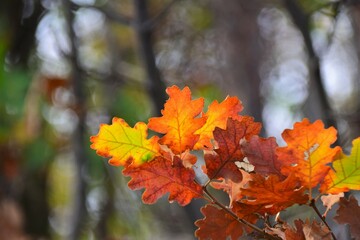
312	204
250	225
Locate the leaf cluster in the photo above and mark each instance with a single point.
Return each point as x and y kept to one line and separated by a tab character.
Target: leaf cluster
261	178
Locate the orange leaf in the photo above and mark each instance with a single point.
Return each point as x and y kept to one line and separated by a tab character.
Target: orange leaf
218	224
275	195
346	173
179	121
123	143
162	176
308	152
217	116
261	153
221	164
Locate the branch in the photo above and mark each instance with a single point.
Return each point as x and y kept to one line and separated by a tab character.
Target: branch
312	204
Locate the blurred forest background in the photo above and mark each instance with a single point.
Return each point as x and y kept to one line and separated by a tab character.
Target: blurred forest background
67	66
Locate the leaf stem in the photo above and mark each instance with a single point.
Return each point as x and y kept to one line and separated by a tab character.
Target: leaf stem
313	205
250	225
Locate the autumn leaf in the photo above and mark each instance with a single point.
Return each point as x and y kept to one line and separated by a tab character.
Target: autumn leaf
217	116
349	213
275	195
304	230
261	153
308	152
346	173
231	188
329	200
221	163
162	176
218	224
179	120
123	143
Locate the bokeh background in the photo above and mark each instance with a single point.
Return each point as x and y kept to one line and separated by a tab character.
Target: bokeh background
67	66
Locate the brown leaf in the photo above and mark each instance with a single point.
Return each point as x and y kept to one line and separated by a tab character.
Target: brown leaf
232	188
218	224
349	213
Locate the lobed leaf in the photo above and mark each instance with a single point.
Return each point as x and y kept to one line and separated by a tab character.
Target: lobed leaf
125	144
346	173
162	176
233	189
308	152
179	120
219	224
349	213
273	193
221	163
261	152
217	116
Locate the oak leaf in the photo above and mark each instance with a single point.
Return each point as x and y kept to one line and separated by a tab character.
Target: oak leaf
349	213
305	230
123	143
219	224
221	162
261	153
346	173
233	189
217	116
179	120
308	152
273	193
162	176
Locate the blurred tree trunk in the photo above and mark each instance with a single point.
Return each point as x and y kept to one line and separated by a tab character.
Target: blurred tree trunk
317	105
353	118
236	23
78	137
155	85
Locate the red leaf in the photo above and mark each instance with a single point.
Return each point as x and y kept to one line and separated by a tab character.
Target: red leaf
261	153
349	212
222	162
161	176
218	224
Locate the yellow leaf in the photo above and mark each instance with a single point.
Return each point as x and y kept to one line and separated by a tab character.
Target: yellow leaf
346	173
125	144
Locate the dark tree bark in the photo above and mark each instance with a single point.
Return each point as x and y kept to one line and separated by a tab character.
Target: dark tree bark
155	85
